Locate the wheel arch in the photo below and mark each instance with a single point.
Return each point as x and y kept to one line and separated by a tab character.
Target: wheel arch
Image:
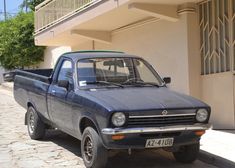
87	122
29	104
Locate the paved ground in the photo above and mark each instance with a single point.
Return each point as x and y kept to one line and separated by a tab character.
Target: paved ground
219	148
61	150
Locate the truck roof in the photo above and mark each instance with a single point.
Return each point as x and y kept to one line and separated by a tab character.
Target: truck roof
78	55
95	51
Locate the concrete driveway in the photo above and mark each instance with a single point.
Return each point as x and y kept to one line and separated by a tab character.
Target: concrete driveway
59	149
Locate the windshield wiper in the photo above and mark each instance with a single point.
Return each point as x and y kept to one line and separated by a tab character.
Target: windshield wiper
147	83
139	83
106	83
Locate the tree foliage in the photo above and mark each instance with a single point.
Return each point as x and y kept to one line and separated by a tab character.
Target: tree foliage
30	4
17	49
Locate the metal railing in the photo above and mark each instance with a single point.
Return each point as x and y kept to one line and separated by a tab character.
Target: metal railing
50	12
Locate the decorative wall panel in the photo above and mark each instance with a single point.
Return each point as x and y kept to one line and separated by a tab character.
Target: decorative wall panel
217	37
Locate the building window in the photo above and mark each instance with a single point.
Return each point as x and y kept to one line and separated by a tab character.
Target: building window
217	36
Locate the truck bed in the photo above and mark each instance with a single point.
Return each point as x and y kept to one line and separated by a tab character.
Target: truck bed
32	86
39	74
10	76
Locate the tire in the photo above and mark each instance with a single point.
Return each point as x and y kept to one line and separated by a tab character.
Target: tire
36	127
97	155
187	154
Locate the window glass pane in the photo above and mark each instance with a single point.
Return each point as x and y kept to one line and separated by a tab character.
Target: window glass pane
115	70
233	29
66	72
226	7
233	5
144	73
105	69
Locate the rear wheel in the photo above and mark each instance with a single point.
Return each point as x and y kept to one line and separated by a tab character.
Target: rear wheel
187	154
36	127
94	154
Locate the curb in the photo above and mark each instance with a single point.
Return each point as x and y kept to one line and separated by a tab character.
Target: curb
215	160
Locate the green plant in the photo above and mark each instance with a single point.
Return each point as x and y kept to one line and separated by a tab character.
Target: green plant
17	48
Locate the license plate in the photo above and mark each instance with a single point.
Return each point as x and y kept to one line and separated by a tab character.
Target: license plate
156	143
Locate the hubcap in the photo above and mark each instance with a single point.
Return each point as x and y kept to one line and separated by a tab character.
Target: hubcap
31	122
88	148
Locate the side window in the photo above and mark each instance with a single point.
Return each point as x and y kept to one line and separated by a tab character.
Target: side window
66	72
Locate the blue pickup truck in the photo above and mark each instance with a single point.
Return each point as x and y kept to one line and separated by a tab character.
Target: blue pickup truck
111	101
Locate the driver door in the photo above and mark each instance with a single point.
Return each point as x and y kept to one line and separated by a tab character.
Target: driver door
60	104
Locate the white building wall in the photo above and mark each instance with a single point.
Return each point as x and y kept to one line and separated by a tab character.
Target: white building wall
161	44
52	54
164	44
218	92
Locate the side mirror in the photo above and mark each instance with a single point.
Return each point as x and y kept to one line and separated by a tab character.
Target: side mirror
167	80
64	84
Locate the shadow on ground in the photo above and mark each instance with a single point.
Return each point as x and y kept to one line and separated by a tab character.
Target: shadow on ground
64	140
138	159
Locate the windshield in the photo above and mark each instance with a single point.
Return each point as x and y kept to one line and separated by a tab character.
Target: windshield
116	71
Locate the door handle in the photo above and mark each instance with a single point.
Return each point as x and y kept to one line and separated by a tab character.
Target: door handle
53	92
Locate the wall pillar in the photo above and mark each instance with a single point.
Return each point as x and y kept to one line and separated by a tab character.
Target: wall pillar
188	12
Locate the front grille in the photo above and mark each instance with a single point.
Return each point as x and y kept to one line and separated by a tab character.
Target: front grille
149	121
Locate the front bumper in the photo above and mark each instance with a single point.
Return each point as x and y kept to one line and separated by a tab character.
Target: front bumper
195	127
135	138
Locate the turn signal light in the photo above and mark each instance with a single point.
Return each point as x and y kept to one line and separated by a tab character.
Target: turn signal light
118	137
200	133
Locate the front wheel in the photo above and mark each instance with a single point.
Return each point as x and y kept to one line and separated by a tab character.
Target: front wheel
94	154
187	154
36	127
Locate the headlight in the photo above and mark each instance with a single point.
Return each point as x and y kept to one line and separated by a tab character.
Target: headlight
202	115
118	119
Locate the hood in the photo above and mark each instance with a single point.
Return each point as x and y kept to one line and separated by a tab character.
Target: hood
141	98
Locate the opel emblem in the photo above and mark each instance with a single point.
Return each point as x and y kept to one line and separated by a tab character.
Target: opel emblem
164	112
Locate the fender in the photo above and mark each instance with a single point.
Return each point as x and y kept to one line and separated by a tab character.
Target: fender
91	117
30	103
